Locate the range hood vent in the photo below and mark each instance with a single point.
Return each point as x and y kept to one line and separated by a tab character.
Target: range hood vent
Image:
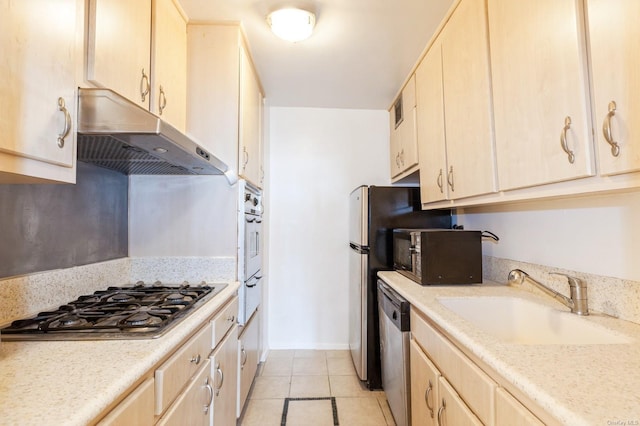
117	134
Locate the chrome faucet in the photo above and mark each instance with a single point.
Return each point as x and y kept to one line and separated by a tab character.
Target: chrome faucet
577	301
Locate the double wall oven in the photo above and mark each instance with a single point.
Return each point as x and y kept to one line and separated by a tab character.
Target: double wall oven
250	251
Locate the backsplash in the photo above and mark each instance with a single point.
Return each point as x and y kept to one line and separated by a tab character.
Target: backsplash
611	296
49	226
26	295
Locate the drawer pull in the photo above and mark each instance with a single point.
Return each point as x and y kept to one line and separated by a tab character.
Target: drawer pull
195	359
232	318
67	122
563	140
221	374
441	412
210	398
426	397
243	358
606	130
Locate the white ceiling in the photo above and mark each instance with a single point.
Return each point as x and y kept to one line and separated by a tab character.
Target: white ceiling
359	55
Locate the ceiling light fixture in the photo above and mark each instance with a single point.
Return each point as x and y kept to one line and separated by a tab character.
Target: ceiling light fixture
292	24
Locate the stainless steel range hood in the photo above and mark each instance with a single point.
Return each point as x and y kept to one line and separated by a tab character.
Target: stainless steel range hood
117	134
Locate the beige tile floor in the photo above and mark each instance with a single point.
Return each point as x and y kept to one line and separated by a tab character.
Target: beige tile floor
308	374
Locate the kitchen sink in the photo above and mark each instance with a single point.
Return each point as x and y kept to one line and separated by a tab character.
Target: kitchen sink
520	321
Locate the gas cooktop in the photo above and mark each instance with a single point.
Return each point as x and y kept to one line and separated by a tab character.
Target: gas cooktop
136	312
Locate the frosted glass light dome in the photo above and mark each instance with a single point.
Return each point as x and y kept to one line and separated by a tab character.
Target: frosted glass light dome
292	24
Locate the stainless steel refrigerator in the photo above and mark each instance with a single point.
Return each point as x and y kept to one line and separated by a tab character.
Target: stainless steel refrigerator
374	211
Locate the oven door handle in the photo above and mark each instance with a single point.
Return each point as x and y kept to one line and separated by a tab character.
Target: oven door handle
258	278
253	219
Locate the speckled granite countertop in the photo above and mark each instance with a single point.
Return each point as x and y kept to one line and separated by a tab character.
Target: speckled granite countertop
72	382
573	384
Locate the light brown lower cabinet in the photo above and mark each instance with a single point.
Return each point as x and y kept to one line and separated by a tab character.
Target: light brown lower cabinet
193	407
448	388
224	371
248	358
196	385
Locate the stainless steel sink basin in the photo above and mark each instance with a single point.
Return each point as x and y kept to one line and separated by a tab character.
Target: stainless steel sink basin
520	321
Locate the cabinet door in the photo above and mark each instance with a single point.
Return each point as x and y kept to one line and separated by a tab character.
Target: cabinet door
214	68
193	406
224	371
248	358
452	410
37	102
408	140
614	35
424	387
467	102
510	412
119	47
430	123
540	92
169	64
394	142
403	142
250	121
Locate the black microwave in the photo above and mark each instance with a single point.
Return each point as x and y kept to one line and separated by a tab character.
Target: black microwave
438	256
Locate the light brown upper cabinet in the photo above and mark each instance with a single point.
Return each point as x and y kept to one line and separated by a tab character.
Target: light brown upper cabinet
119	47
38	41
615	62
225	100
139	50
454	104
540	92
169	63
403	139
430	123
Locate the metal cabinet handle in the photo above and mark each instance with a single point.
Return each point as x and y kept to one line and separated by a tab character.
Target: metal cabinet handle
441	412
563	140
243	357
145	87
210	398
439	181
162	101
67	122
402	157
398	160
450	179
221	374
426	397
232	318
606	130
245	157
195	359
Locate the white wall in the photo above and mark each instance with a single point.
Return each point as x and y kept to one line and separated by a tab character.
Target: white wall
317	156
596	234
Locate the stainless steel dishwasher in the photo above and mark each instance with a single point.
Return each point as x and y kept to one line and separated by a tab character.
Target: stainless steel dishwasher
394	352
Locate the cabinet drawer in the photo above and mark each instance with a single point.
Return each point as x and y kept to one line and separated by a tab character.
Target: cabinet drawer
136	408
472	384
509	411
452	411
172	376
223	321
194	406
248	358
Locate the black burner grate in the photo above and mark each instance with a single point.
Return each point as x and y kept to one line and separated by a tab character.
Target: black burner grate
137	312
